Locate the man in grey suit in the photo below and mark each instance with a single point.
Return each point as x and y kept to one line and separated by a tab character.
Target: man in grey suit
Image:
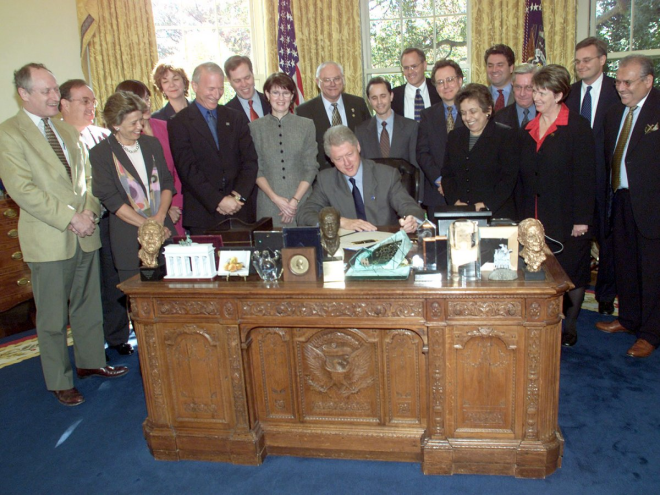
332	106
518	116
365	193
45	169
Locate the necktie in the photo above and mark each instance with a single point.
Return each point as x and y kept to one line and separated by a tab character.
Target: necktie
385	142
213	126
585	111
450	119
336	118
253	115
357	199
525	119
419	105
55	144
499	104
618	151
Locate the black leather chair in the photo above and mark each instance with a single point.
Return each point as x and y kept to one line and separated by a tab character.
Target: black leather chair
409	174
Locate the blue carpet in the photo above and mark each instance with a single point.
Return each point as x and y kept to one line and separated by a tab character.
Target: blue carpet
609	414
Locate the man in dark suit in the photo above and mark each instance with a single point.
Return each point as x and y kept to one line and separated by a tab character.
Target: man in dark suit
419	88
437	121
499	68
592	97
332	106
632	151
386	134
78	108
518	115
241	77
365	193
214	155
44	167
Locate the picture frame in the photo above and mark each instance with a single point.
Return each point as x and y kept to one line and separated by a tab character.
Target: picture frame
233	262
491	239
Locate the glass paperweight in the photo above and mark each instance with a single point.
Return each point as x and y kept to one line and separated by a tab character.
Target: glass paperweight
463	251
426	241
268	265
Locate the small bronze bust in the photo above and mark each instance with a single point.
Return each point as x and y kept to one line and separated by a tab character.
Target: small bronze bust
329	219
531	235
151	236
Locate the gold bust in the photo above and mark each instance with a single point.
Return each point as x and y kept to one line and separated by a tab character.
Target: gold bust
151	236
531	235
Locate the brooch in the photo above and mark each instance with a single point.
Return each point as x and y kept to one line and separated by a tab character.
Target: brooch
650	128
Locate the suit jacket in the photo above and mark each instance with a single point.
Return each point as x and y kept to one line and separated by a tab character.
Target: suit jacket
165	113
385	199
36	179
487	173
236	104
608	98
508	116
642	161
108	188
510	101
398	103
356	112
561	174
207	173
431	143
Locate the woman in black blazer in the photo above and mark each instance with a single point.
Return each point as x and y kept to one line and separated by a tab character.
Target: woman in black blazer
480	166
130	178
558	183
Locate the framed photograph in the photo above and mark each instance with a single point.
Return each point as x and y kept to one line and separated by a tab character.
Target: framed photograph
234	262
495	238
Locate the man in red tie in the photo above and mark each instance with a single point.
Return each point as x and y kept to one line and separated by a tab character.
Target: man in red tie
247	100
500	60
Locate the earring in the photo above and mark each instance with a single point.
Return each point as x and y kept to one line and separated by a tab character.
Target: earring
116	129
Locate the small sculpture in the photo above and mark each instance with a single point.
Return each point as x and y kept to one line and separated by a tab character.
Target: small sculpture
329	219
151	236
531	235
267	265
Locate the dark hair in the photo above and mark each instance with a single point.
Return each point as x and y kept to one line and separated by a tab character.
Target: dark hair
479	93
119	105
23	76
233	62
555	78
446	63
601	46
645	64
281	80
378	80
160	71
65	89
137	87
501	49
419	52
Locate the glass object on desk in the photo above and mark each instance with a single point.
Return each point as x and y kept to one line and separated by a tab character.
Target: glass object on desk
426	242
268	265
463	252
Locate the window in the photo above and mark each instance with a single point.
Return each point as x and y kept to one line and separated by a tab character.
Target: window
438	27
192	32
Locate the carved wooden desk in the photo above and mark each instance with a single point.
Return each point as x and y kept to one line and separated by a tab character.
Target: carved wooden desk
464	379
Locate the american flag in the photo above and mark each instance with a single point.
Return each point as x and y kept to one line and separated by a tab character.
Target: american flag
287	48
534	40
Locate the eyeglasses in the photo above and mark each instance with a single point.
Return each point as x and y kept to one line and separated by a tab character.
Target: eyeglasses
628	83
448	80
86	101
329	80
407	68
526	89
278	94
585	60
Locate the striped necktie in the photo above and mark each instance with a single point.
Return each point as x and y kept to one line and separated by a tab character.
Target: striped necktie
384	142
419	105
55	144
525	119
618	151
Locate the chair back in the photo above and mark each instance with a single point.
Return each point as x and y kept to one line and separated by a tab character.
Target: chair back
409	174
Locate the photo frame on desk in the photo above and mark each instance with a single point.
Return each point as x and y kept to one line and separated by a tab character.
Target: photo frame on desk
492	237
305	237
229	258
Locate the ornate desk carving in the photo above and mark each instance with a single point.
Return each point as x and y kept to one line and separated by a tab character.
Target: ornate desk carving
462	379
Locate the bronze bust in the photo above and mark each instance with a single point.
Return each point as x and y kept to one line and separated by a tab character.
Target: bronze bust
151	236
531	235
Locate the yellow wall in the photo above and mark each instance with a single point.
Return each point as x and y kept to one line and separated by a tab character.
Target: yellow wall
42	31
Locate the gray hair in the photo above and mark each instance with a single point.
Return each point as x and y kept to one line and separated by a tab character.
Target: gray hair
336	136
325	64
23	76
210	67
645	64
525	69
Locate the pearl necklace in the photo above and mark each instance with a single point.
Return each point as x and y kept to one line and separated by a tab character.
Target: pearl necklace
135	149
